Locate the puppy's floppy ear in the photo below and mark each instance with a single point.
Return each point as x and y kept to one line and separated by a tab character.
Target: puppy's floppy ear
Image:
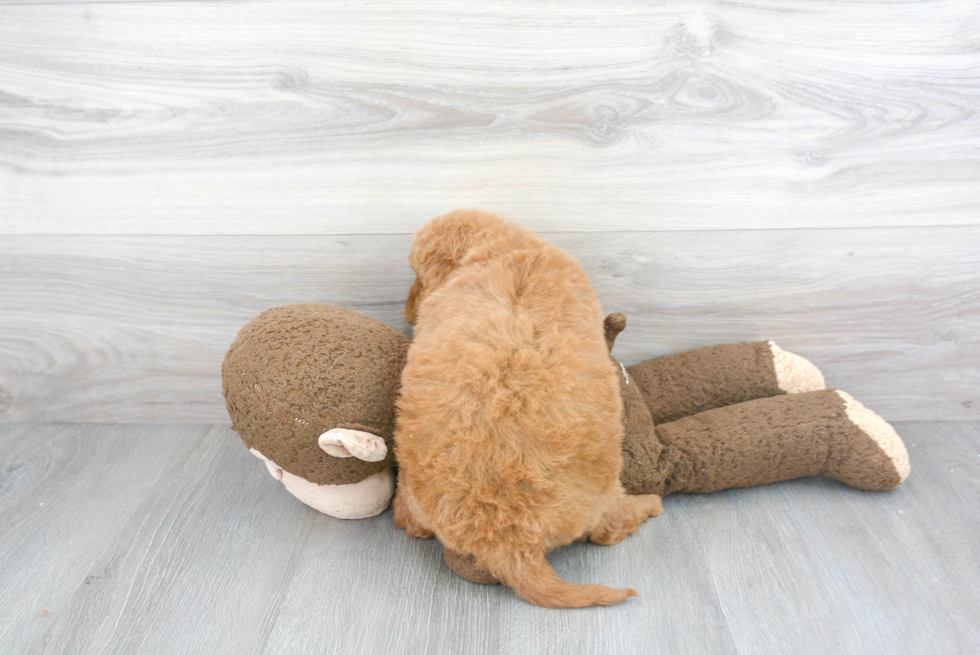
413	302
438	249
460	237
442	243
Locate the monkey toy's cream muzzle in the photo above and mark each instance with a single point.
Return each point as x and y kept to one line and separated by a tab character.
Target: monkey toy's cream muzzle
358	500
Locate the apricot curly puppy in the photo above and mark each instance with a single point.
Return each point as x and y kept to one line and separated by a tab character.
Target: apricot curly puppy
508	432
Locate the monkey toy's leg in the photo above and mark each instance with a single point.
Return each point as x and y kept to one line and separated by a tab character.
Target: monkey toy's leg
780	438
687	383
750	414
684	384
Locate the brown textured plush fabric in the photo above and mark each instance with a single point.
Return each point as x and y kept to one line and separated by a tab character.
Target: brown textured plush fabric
687	383
768	440
295	372
746	444
641	472
641	447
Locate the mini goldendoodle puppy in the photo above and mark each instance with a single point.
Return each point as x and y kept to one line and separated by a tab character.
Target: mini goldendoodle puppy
508	431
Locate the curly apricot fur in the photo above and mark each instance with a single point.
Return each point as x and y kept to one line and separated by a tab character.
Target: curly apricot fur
509	432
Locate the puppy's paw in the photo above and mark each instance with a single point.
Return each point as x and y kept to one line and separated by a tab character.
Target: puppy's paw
653	504
626	518
405	520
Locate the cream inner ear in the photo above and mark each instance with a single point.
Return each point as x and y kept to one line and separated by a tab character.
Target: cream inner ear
341	442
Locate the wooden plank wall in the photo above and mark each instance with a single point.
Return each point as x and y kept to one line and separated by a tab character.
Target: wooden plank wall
725	171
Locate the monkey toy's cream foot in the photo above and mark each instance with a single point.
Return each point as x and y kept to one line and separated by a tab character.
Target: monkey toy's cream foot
875	457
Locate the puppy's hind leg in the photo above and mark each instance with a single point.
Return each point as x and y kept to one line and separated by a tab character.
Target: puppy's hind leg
405	519
624	517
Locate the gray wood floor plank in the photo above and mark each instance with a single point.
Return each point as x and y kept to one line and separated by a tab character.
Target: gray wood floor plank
800	562
63	491
196	549
374	590
212	551
323	118
131	329
673	598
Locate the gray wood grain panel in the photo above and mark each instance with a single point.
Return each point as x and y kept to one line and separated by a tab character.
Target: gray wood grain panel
891	316
91	325
131	329
194	548
325	118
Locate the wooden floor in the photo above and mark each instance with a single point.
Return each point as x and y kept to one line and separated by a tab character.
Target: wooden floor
173	539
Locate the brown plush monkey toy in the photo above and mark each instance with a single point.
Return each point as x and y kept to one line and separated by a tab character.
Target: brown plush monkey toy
311	390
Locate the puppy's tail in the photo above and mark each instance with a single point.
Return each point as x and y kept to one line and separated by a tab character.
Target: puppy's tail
531	576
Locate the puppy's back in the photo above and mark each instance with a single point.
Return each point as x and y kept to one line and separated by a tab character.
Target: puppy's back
509	427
